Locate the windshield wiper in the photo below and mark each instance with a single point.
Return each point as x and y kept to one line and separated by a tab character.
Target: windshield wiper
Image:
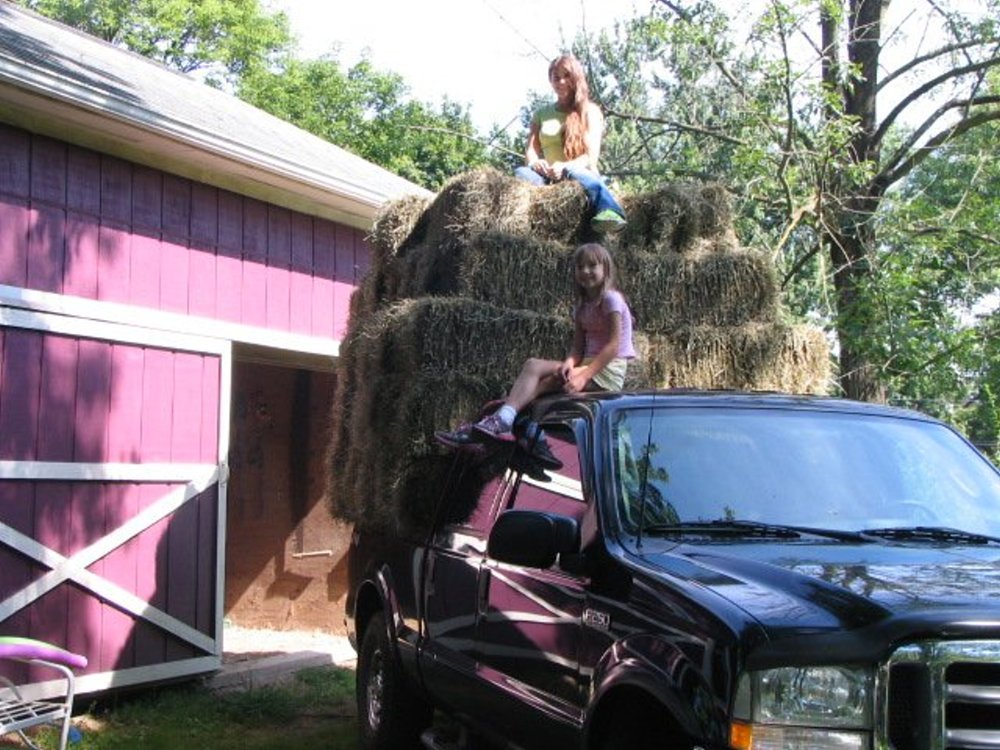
755	529
930	534
725	528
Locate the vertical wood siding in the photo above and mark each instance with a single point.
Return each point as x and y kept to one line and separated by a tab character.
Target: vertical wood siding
65	399
80	223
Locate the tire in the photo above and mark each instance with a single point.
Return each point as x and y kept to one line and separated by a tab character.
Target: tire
391	715
641	729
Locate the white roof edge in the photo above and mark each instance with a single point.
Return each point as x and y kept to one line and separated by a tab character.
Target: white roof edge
350	199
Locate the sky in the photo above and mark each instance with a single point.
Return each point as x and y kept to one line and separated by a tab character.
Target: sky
484	54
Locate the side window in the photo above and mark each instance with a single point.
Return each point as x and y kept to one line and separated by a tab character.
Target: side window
474	490
554	491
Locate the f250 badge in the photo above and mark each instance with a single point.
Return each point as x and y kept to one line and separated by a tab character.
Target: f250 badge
596	620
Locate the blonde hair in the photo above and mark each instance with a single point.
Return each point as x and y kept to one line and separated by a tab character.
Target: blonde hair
575	131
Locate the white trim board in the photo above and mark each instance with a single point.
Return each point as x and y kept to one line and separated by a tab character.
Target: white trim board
120	678
74	568
58	471
152	321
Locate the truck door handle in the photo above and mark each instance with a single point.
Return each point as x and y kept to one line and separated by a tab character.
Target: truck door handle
483	592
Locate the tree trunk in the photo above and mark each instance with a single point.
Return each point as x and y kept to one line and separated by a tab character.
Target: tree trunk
850	207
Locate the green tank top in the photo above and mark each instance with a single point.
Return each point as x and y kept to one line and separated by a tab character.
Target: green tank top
551	123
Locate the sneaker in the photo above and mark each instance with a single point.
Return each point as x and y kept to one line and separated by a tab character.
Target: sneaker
461	438
491	428
607	221
526	464
541	453
490	407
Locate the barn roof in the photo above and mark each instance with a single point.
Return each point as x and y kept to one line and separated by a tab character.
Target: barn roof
66	84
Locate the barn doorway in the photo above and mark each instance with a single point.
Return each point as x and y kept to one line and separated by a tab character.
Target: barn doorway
284	552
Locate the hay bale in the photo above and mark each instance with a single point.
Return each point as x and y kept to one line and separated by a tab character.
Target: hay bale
518	272
559	213
444	334
674	215
478	202
463	288
397	223
714	209
661	220
410	369
772	357
707	286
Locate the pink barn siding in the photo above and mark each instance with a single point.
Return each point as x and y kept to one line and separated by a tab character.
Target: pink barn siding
85	400
300	273
325	297
14	239
94	226
76	222
279	257
46	248
204	238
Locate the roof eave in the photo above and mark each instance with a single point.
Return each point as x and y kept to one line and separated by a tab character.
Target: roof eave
63	109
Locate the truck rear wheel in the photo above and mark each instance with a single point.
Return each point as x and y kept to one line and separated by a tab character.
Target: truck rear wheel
390	714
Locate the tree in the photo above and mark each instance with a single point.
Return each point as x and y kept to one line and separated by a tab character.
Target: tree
222	39
249	50
366	111
790	116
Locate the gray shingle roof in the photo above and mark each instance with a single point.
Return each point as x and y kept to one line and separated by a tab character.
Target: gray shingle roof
66	84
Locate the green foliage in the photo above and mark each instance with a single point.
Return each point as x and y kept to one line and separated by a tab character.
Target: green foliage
367	111
241	45
785	115
983	423
314	710
223	39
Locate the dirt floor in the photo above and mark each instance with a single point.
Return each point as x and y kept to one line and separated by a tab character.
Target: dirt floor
248	644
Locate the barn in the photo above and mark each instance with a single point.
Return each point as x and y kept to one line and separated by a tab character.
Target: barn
175	275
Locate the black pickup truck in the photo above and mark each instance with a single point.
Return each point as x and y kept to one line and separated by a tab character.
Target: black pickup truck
707	570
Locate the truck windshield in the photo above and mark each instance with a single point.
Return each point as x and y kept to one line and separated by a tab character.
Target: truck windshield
802	468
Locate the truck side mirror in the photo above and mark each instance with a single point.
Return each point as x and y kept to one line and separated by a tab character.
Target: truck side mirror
532	538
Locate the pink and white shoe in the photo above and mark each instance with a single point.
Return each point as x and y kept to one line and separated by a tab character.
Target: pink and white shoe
492	429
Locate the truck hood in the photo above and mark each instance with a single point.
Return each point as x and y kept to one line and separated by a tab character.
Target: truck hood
815	585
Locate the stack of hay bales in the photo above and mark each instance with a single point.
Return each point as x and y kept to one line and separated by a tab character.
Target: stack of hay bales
464	287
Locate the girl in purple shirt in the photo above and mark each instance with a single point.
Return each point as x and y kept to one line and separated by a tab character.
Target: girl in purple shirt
602	346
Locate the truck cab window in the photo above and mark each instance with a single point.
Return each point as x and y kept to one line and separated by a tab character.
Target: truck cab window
554	491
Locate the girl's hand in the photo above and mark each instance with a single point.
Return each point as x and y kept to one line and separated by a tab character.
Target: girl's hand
576	381
541	166
565	370
558	170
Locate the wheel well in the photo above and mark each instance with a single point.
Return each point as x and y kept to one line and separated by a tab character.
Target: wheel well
368	603
631	706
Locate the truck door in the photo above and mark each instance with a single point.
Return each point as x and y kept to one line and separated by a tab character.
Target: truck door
529	628
473	495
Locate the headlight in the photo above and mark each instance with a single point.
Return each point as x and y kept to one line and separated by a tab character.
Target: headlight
794	707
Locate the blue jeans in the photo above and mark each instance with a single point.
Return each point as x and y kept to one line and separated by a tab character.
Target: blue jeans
598	195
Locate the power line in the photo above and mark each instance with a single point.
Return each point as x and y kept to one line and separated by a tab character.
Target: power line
517	31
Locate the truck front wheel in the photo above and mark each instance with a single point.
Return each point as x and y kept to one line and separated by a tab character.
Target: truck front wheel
390	715
640	725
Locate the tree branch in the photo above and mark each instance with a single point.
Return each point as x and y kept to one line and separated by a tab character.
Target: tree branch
718	134
488	142
917	61
918	92
899	165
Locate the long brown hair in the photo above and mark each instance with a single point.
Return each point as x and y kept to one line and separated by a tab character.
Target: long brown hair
594	251
574	133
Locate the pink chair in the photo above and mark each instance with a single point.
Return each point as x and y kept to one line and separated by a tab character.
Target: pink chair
18	713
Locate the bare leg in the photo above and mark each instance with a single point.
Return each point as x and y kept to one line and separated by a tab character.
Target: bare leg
537	376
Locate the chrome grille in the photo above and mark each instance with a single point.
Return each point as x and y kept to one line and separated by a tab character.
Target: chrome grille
941	695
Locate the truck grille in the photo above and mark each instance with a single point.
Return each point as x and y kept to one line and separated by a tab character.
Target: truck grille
941	696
